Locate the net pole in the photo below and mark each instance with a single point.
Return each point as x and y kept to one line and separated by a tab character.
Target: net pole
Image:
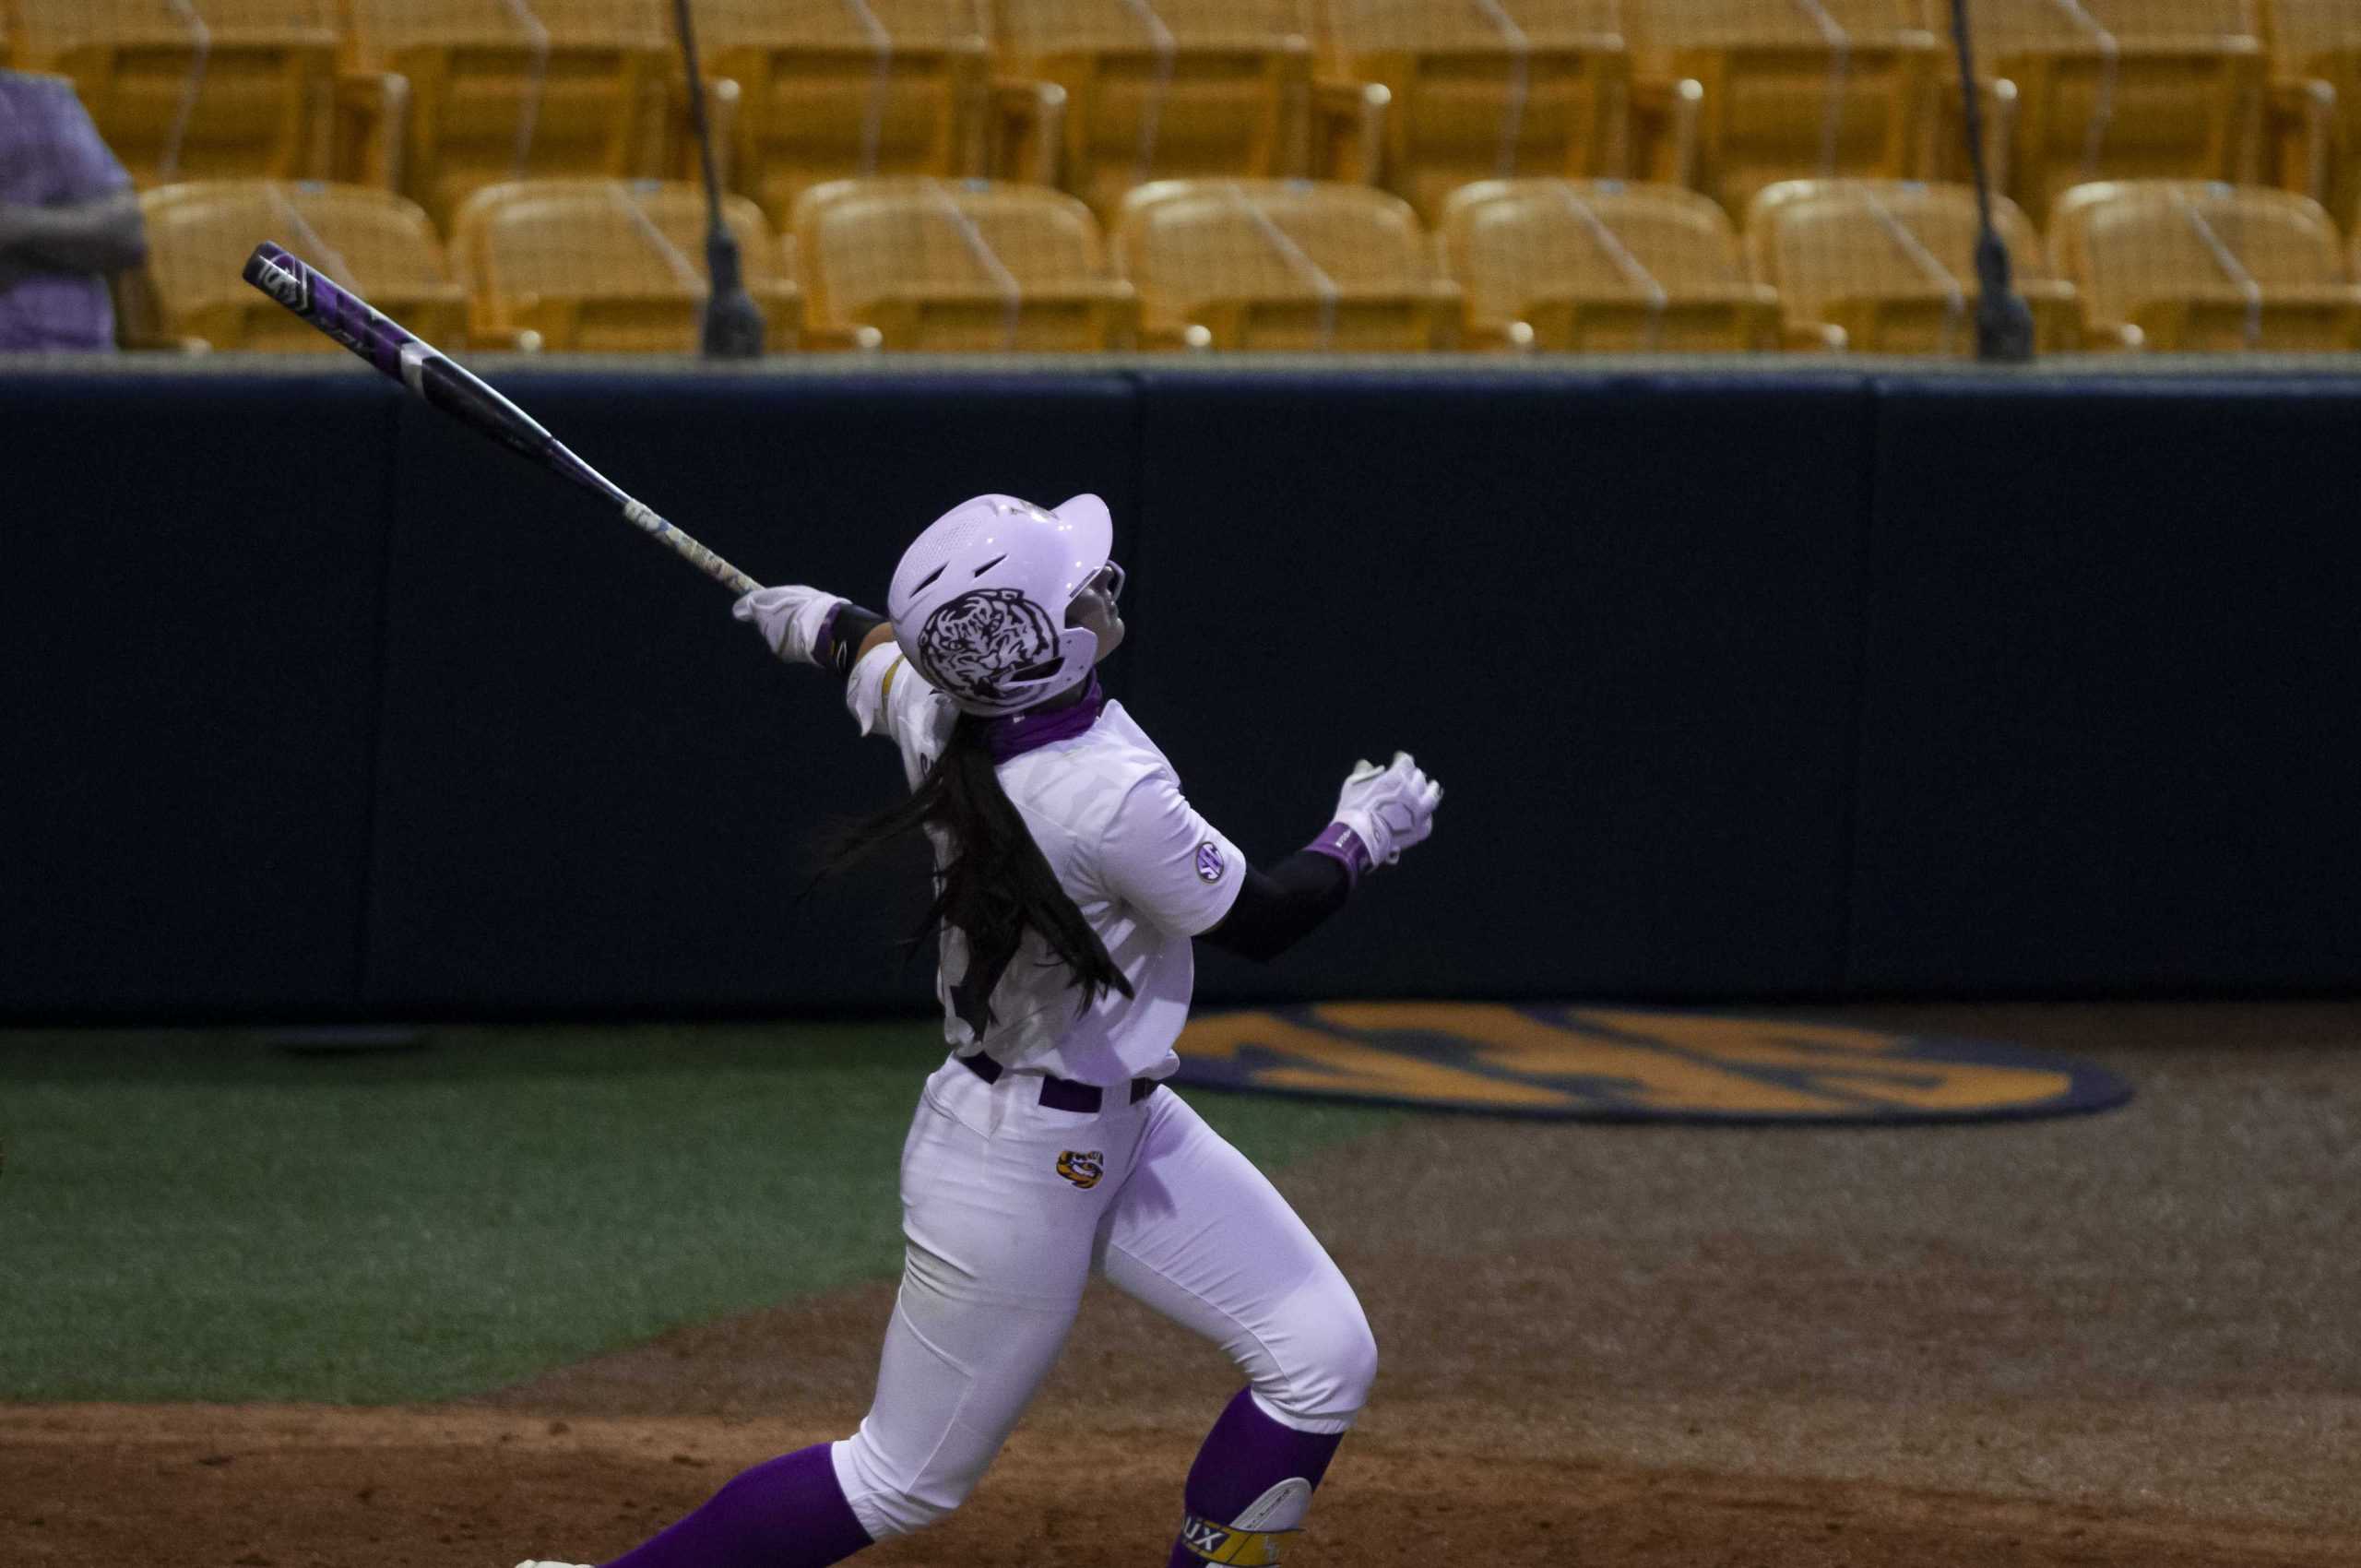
2003	320
732	326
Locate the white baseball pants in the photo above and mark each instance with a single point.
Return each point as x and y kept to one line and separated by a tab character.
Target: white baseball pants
999	1245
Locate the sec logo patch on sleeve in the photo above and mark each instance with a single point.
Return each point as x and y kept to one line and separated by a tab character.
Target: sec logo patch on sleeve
1210	864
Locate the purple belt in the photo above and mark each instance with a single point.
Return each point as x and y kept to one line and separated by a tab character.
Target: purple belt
1058	1094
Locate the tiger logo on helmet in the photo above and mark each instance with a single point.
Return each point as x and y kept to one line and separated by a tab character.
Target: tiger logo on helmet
978	643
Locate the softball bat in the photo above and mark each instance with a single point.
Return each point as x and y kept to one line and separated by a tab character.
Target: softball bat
442	383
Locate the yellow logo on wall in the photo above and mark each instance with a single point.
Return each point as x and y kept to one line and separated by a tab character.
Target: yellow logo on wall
1610	1064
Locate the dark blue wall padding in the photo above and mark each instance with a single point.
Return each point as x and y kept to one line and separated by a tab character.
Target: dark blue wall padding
1617	617
1823	682
190	579
2108	728
599	791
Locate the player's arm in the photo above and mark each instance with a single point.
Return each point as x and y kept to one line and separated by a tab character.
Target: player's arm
93	225
1178	873
101	235
1381	813
1278	908
807	626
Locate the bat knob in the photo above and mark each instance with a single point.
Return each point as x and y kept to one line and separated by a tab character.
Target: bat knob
279	275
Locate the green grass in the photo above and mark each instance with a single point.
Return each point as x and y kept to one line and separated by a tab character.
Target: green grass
190	1215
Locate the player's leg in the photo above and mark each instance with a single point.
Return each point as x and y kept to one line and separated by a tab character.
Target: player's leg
998	1250
1202	1237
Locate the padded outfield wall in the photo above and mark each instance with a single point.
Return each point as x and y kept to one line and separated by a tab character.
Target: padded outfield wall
1748	683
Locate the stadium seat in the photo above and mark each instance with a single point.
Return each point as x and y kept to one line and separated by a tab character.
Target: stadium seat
1537	87
2186	264
500	90
2314	48
1182	88
190	294
960	266
1800	88
1284	264
608	266
832	91
2120	89
248	90
1888	267
1600	266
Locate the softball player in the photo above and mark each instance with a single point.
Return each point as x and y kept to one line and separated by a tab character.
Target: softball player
1072	877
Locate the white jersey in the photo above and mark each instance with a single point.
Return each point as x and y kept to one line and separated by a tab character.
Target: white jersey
1146	872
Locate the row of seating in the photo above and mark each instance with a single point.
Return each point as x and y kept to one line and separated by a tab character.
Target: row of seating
911	263
439	98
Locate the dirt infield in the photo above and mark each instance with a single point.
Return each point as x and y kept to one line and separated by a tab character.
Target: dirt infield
2130	1340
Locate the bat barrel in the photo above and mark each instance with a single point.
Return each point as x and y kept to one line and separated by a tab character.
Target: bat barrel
452	389
349	320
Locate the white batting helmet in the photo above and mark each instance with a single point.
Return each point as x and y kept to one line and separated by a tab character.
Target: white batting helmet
979	602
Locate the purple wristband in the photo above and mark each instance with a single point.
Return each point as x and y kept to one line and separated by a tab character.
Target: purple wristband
1343	845
823	642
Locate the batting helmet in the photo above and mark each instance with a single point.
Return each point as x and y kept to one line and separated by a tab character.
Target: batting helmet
979	602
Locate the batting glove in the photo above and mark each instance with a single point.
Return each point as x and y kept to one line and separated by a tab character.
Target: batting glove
1389	808
790	619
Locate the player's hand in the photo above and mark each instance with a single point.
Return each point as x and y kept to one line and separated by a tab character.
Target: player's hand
1391	807
788	619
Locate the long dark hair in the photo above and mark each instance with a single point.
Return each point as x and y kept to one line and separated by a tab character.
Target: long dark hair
997	885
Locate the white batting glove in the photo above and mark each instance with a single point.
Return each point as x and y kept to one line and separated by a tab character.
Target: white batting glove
1391	808
788	618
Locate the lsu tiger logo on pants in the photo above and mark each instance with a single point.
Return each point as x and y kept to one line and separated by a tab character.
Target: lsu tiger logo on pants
1083	1169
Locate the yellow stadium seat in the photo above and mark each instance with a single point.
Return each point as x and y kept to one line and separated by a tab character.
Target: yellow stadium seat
1601	266
190	293
2120	89
1888	267
227	88
500	90
1284	264
2315	49
945	265
1799	88
2188	264
1531	87
1175	88
609	265
830	91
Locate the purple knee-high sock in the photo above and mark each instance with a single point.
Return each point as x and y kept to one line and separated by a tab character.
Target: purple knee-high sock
1245	1456
785	1513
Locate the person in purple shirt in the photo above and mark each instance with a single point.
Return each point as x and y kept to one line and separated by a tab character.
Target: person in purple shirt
67	216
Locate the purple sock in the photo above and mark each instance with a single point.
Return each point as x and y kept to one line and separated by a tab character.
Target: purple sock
1245	1456
785	1513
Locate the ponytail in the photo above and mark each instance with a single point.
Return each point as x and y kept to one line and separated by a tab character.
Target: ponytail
997	885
